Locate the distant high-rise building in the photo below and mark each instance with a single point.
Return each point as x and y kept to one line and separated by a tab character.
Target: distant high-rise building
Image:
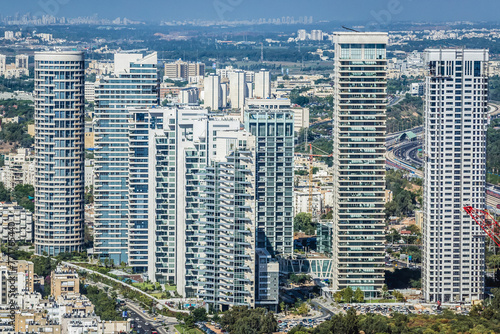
237	90
456	107
120	231
212	92
360	97
302	34
183	70
3	64
59	152
9	35
262	84
316	35
196	70
224	92
188	95
271	122
22	61
176	70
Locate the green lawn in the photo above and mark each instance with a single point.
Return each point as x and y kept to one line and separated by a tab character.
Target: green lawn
170	287
182	330
160	295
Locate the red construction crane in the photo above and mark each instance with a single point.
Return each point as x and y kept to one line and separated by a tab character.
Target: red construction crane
486	221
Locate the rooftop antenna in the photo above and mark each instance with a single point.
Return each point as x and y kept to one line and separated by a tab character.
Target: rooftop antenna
346	28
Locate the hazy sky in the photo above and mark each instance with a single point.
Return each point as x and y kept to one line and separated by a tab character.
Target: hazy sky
382	11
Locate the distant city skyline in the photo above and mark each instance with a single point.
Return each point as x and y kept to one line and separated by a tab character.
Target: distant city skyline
359	11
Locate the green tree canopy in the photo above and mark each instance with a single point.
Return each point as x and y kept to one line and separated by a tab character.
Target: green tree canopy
303	222
243	320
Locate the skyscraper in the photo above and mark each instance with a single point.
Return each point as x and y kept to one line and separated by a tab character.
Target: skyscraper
169	152
237	90
213	92
271	122
358	161
455	149
59	152
228	223
120	234
262	84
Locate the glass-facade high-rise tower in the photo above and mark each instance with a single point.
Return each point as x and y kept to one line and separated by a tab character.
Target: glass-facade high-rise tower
358	161
271	122
59	151
456	107
121	233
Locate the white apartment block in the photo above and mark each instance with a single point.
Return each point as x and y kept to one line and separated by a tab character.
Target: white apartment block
262	85
89	173
237	90
90	91
301	202
455	155
9	35
359	163
19	168
23	222
229	261
169	149
16	69
188	95
301	118
212	92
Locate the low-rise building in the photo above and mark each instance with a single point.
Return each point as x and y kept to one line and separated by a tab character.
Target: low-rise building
23	222
36	322
19	168
64	281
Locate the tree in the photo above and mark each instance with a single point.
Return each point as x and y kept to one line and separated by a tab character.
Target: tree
303	222
242	320
337	296
359	295
199	314
413	229
328	215
4	193
399	296
303	310
385	291
347	294
282	307
299	279
24	194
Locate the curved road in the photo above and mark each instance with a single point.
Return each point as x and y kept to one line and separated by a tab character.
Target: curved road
407	152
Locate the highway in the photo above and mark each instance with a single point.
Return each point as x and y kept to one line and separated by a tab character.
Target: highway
407	152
